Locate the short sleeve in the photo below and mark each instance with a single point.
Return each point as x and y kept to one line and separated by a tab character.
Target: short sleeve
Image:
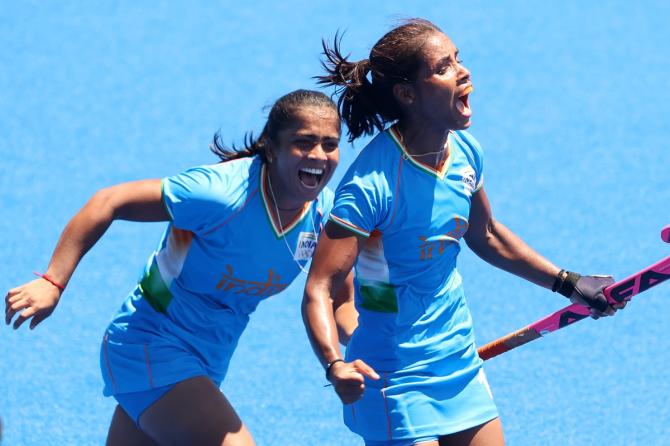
191	197
361	202
475	156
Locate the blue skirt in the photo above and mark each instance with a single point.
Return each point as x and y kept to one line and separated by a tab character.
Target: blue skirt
405	405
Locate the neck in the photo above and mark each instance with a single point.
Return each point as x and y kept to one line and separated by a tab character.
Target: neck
279	201
420	139
423	142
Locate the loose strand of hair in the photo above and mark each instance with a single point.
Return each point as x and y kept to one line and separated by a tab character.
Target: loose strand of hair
251	146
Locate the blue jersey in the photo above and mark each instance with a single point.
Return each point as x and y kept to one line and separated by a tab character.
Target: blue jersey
414	217
414	324
220	255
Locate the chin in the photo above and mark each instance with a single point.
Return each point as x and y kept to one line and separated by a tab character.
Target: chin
310	194
462	124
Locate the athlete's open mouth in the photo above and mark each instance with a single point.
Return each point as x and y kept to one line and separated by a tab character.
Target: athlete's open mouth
310	177
462	103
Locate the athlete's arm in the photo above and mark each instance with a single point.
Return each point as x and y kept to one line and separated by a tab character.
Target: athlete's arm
346	316
333	260
495	243
135	201
499	246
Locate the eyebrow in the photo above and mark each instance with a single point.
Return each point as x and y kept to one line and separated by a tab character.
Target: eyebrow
315	137
446	59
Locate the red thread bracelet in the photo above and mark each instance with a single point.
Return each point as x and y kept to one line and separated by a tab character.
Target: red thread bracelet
50	280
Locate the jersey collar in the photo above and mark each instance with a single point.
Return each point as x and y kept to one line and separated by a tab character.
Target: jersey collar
270	211
439	173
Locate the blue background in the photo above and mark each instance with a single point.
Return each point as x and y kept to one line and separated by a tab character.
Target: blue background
571	105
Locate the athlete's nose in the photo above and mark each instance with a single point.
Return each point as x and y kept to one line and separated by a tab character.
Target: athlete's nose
463	74
318	152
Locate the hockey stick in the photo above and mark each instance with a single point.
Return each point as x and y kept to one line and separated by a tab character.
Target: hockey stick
616	293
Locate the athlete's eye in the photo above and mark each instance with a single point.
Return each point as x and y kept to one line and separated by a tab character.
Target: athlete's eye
446	69
330	146
304	143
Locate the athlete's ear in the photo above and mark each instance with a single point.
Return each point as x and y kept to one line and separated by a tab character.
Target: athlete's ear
404	94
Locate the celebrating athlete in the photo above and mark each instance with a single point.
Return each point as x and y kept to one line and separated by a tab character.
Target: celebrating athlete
239	231
411	373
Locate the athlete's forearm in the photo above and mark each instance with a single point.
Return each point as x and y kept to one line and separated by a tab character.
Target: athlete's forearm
319	319
505	250
346	316
329	285
137	201
79	235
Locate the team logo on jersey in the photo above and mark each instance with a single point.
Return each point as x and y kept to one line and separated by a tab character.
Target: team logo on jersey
469	179
305	247
434	246
235	285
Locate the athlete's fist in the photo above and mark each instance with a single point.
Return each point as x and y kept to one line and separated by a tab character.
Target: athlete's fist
348	379
588	291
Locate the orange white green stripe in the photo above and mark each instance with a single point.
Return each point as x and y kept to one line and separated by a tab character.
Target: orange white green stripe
372	273
348	225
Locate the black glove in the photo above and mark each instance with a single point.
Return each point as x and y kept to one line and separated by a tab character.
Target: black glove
584	290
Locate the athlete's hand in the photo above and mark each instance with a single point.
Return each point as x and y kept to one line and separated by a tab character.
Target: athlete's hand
36	300
589	292
348	378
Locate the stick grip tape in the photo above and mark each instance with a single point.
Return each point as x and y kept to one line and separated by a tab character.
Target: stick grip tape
506	343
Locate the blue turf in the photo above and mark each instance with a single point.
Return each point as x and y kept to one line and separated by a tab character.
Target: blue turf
571	106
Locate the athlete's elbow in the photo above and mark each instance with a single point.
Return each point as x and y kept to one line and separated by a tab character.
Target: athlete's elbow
482	237
101	204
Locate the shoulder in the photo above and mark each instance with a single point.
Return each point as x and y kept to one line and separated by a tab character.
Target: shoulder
376	163
221	182
468	143
365	193
472	151
381	151
229	172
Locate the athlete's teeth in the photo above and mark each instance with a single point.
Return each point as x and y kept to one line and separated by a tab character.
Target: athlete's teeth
313	171
467	91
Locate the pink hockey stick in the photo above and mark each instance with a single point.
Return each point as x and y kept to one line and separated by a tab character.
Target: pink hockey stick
618	292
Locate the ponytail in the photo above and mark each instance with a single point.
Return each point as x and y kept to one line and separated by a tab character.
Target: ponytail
252	146
357	102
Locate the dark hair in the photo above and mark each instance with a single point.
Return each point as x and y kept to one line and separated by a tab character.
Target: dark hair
281	115
369	104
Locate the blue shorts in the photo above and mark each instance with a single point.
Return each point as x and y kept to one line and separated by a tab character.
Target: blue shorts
135	403
405	408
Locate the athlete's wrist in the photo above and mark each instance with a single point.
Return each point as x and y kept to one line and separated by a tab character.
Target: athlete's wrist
56	283
330	365
565	283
